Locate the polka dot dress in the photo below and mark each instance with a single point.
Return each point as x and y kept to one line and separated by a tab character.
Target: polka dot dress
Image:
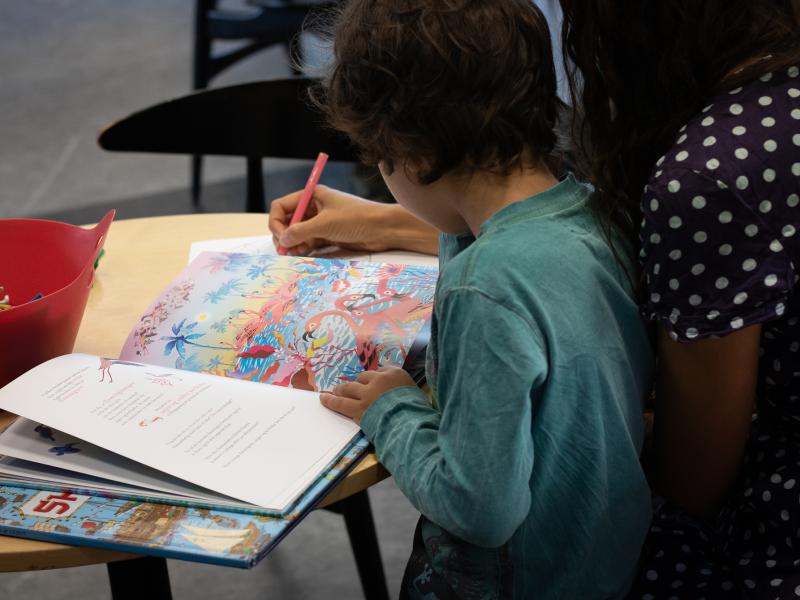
720	247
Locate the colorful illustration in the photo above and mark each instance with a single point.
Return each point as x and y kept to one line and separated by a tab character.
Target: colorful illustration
307	323
199	534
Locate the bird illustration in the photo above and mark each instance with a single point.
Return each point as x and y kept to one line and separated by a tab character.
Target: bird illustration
105	366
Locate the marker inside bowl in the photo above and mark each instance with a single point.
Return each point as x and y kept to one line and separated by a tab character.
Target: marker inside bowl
37	297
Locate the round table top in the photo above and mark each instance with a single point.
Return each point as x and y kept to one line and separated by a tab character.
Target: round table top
142	257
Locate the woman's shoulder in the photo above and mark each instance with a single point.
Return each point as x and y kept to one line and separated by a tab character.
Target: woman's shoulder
746	139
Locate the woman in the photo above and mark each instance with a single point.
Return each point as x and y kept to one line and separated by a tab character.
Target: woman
700	102
712	89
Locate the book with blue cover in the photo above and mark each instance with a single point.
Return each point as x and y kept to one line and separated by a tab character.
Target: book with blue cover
224	465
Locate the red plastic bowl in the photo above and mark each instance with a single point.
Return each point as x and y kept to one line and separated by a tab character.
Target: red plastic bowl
54	259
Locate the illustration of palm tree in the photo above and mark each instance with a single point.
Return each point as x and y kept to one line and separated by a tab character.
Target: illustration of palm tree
181	338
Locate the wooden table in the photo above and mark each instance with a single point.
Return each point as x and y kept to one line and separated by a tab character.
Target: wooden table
142	257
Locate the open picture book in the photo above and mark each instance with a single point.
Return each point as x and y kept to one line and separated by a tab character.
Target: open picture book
213	404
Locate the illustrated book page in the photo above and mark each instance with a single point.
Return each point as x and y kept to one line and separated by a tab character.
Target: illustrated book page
247	441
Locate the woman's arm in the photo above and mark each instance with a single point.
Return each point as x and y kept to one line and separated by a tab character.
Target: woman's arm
338	219
705	393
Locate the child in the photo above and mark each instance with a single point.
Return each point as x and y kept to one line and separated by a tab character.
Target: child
525	461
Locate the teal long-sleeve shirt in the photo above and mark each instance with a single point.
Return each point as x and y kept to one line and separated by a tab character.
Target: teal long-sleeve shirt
525	463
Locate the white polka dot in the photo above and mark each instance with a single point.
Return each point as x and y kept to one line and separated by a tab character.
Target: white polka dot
789	484
797	591
712	314
674	185
655	238
692	332
793	200
706	122
792	71
795	114
700	237
751	230
657	174
682	156
712	163
655	297
675	222
765	101
776	582
651	574
770	563
736	109
737	322
796	169
741	153
767	121
660	161
721	185
695	300
725	217
721	283
788	231
770	145
682	139
780	308
653	205
656	269
765	206
796	139
709	141
675	254
766	77
750	583
673	284
769	175
774	478
766	496
770	280
742	182
749	264
725	249
735	91
793	92
775	246
698	202
698	269
739	130
740	298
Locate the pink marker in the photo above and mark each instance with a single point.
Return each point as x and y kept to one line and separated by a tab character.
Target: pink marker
308	193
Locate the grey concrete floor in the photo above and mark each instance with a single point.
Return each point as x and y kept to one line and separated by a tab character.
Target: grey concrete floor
69	68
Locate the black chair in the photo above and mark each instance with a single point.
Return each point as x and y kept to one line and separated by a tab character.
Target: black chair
270	22
253	120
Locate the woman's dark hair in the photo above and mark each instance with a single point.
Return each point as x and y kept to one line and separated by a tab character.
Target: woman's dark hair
640	69
443	85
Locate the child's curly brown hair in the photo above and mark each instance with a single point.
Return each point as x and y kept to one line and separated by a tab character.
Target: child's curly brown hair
435	86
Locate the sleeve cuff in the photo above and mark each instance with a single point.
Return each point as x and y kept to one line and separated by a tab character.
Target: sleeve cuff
372	417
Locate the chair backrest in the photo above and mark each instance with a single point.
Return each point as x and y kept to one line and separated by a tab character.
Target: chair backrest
261	119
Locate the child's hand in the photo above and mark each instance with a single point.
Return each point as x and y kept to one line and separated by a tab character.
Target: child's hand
352	399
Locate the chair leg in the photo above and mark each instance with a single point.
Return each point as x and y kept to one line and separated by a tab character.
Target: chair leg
138	578
255	185
364	542
196	176
201	64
